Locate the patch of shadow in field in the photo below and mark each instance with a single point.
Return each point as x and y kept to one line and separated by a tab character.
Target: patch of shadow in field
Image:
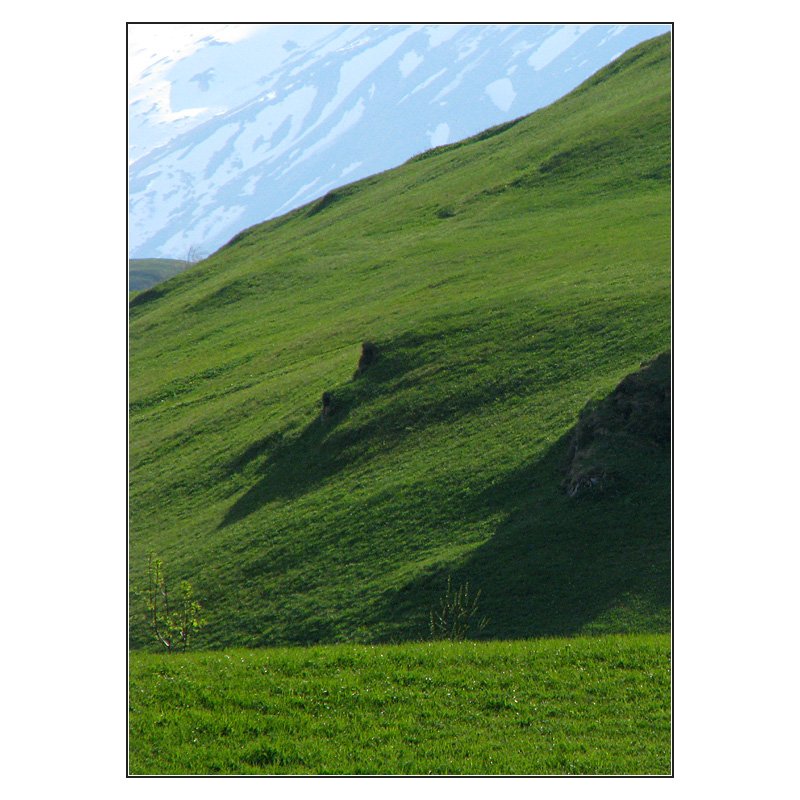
564	557
397	387
147	296
290	465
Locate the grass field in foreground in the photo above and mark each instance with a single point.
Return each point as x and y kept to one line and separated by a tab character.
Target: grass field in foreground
551	706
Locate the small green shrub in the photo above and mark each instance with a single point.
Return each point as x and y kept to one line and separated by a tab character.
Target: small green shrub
171	621
456	614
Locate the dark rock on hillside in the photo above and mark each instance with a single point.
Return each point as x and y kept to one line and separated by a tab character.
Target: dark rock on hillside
369	354
614	438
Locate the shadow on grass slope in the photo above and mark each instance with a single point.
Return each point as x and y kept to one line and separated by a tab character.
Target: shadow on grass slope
585	544
290	466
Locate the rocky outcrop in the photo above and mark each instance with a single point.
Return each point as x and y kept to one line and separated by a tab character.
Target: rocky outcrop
620	430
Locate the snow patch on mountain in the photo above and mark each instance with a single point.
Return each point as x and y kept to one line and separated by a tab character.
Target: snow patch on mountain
439	135
439	34
250	186
427	82
303	191
502	94
346	121
409	62
555	45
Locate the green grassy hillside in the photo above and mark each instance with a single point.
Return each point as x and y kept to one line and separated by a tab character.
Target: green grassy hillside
146	272
509	283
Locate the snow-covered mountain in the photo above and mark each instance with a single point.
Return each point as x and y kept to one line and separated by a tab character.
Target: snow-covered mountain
242	123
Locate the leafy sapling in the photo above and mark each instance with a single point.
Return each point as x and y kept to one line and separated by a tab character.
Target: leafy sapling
172	620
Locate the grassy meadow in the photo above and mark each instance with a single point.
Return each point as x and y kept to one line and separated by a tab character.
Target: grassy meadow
590	706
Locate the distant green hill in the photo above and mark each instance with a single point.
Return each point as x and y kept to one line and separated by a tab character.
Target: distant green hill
509	283
146	272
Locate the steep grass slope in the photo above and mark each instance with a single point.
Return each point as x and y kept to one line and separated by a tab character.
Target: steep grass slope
506	281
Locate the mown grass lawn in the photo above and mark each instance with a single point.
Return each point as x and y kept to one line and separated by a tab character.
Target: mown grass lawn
552	706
